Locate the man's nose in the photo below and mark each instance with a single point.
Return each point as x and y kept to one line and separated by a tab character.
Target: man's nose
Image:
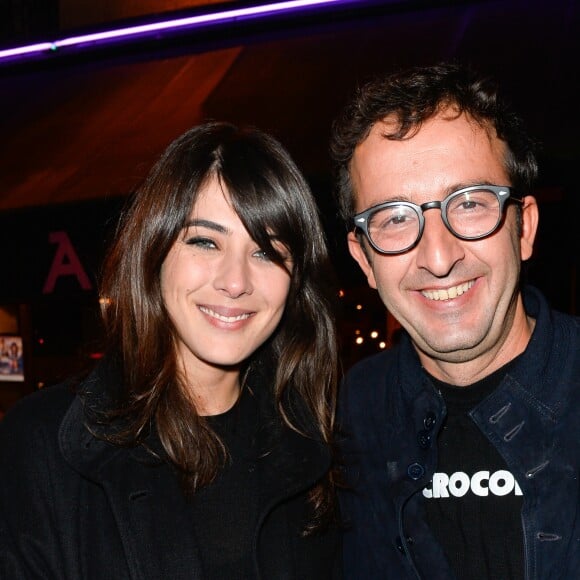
438	250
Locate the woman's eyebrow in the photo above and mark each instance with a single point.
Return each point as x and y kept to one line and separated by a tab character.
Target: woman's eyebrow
207	224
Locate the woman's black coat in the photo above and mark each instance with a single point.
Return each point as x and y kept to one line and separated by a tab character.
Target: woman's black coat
75	507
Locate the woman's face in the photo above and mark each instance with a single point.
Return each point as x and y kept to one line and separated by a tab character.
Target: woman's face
223	295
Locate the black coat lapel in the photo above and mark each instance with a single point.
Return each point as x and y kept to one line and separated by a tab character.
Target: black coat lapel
153	519
149	508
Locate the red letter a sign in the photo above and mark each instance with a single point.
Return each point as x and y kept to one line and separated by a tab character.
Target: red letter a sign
65	263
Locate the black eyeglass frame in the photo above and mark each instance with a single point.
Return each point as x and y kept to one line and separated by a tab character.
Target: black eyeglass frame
503	193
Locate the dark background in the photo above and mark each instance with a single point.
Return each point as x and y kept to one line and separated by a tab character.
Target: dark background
78	131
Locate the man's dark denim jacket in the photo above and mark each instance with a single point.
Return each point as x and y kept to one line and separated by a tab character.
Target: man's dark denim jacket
390	414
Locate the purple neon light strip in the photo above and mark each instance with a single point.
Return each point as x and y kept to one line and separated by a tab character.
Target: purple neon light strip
30	49
216	17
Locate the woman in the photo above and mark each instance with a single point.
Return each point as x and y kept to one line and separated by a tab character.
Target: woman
200	447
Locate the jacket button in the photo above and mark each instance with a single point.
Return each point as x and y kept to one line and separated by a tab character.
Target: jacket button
415	471
399	544
424	439
429	420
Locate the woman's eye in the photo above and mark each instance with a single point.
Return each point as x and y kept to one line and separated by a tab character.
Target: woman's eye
279	252
202	243
262	255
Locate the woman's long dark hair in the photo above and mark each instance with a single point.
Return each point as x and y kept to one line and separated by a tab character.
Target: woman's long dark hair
270	196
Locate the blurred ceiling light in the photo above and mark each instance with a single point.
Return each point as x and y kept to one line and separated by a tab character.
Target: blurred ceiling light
154	29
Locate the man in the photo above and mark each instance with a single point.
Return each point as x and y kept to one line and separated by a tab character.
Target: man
461	444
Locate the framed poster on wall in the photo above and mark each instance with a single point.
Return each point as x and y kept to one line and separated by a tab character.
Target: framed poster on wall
11	360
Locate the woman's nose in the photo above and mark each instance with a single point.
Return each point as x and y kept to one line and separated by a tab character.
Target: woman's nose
234	276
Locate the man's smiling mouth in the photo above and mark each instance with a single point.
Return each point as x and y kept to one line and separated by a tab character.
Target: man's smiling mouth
448	293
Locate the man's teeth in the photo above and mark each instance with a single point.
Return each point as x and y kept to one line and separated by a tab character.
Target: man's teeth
222	317
448	293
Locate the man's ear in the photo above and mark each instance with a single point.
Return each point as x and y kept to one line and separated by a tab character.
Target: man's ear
530	219
361	255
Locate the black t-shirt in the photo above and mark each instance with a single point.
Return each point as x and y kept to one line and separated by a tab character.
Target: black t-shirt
474	503
225	512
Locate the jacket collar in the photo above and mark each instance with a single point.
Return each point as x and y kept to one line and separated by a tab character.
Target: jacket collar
546	354
521	416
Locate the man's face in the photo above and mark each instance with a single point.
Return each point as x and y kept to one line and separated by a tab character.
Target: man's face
457	299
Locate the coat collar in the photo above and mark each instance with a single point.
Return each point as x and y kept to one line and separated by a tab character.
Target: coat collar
145	495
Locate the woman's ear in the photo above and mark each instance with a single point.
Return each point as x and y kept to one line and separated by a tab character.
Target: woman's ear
361	254
530	219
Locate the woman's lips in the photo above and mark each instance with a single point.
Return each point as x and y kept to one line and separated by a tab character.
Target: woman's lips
228	315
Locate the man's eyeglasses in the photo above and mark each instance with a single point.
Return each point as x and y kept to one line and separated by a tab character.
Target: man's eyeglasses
470	213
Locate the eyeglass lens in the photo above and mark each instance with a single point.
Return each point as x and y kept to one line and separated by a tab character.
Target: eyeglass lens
471	214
